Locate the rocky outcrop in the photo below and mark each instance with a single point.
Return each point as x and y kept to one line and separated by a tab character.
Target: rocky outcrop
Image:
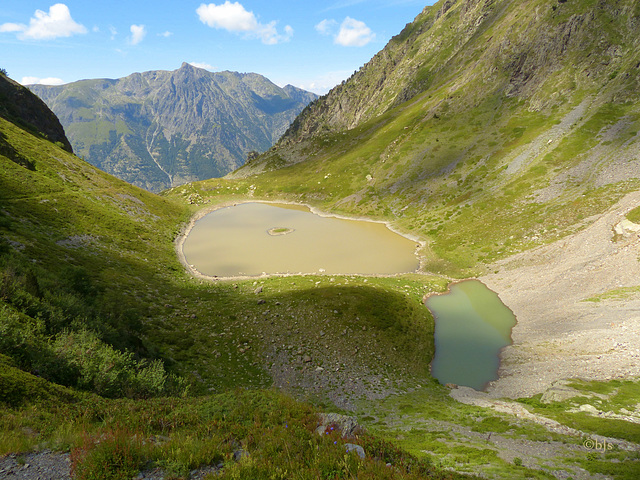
347	426
18	105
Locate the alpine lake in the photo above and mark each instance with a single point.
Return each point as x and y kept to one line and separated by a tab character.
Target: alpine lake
472	325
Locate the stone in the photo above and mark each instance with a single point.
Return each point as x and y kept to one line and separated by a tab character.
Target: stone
258	290
240	454
626	228
347	425
351	447
589	409
558	392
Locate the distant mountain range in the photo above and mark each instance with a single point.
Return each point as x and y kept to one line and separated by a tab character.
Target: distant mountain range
160	129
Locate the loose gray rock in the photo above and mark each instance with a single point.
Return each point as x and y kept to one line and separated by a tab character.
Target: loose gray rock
45	465
355	448
345	424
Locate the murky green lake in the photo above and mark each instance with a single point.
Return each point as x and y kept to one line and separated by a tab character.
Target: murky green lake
472	325
254	238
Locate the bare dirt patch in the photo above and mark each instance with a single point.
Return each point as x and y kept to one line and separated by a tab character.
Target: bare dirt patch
561	332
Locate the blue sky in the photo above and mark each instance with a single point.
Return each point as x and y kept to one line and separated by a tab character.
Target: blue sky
312	45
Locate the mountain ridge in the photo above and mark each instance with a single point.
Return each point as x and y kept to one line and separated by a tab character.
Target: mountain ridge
18	105
159	129
460	49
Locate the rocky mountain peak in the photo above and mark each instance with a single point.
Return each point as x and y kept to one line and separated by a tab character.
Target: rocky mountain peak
160	129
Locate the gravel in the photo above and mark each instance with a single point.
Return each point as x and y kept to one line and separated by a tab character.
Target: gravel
44	465
559	333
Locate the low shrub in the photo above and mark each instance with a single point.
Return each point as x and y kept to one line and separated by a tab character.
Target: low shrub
115	455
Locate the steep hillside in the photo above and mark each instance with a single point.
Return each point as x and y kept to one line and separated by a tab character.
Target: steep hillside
160	129
20	106
94	305
486	127
105	337
479	48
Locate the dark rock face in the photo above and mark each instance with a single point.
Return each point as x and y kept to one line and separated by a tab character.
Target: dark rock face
161	129
18	105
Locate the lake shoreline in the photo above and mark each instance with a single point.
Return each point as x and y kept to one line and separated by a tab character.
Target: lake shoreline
560	332
191	269
436	317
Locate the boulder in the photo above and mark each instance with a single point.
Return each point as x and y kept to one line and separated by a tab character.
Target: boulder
240	454
626	228
559	392
346	425
351	447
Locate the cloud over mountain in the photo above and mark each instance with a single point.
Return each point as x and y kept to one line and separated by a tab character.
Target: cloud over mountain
233	17
47	25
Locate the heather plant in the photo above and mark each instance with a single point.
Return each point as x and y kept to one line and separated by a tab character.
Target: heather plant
115	455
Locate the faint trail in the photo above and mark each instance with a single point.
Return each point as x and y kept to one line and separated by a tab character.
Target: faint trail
469	396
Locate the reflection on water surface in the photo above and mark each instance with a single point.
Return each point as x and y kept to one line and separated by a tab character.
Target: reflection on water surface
472	326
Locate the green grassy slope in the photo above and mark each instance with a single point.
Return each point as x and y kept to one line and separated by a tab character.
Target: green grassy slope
102	251
522	122
93	301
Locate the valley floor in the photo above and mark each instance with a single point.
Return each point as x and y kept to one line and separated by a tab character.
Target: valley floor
577	302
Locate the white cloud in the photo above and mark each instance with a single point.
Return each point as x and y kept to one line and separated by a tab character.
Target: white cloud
326	27
354	33
113	32
41	81
12	27
166	34
205	66
47	26
233	17
324	82
138	32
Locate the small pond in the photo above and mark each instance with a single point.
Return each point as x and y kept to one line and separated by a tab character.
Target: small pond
250	239
472	325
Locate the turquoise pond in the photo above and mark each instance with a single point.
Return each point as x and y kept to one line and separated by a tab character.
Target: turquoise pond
472	325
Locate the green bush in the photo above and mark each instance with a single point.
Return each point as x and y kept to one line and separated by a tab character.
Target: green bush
18	387
106	371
